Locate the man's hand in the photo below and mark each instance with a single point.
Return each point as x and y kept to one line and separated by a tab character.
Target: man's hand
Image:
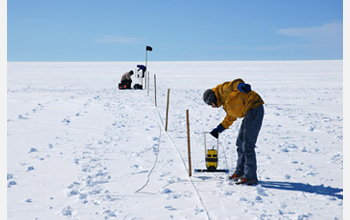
216	131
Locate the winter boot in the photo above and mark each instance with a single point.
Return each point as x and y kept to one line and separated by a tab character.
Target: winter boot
235	177
249	182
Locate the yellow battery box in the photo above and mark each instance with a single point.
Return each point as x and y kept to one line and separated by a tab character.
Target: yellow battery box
212	159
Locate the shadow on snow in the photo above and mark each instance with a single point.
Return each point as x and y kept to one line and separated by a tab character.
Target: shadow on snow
321	189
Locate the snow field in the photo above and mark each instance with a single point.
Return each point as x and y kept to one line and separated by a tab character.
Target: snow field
79	148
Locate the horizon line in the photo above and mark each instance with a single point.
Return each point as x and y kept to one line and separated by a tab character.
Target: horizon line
173	61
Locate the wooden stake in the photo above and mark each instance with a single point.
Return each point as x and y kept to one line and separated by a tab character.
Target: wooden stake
167	112
147	82
146	73
147	77
188	143
155	91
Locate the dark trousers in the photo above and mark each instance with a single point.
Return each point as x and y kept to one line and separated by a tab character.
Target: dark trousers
127	82
246	140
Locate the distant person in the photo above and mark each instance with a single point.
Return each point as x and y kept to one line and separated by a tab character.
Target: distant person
125	81
143	68
239	101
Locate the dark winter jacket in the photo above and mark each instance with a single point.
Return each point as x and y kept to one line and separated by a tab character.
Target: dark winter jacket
126	76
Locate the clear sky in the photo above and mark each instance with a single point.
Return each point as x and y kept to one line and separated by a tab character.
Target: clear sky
177	30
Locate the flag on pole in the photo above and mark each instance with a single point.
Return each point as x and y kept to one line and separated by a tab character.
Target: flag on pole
149	48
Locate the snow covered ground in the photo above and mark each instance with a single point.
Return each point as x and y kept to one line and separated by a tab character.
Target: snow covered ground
79	148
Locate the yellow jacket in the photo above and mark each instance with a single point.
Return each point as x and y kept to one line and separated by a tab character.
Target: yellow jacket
235	103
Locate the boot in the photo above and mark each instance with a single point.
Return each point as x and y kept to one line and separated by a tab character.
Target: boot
235	177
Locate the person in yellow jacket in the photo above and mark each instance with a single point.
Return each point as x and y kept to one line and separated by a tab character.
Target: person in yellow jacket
239	101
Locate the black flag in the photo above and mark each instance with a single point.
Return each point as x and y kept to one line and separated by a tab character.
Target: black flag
149	48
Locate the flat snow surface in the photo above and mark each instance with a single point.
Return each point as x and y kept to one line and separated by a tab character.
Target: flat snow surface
80	148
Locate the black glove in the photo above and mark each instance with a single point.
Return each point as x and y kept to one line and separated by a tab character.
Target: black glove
216	131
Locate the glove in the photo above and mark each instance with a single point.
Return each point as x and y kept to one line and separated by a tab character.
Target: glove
242	87
215	132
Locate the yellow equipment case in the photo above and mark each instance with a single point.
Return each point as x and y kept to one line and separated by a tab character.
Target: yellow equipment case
211	158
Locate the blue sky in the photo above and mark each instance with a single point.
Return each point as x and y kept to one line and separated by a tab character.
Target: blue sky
181	30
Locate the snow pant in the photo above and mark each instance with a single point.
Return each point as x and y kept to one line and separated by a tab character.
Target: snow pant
246	140
126	82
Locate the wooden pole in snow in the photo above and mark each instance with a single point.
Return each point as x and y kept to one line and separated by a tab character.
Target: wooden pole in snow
146	72
167	112
188	143
147	76
147	82
155	90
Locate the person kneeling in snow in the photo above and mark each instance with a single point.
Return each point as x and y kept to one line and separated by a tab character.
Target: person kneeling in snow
239	101
125	81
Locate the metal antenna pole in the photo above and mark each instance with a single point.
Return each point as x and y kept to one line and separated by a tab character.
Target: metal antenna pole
205	145
146	72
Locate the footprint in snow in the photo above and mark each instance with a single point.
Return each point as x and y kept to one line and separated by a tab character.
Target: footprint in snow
170	208
260	190
110	213
11	183
33	150
66	120
22	117
67	211
30	168
197	209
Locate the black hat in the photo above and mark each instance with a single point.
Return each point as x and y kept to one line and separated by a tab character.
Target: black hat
209	97
131	72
